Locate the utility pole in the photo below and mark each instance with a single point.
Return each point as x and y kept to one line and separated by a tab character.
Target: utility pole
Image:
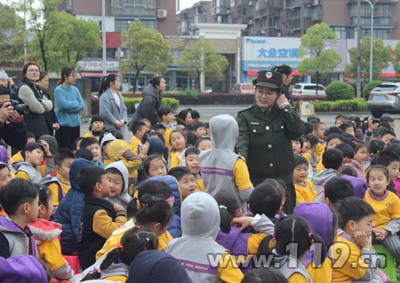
103	27
358	50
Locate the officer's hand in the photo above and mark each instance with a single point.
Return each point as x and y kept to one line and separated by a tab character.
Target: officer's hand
5	112
16	118
281	99
10	81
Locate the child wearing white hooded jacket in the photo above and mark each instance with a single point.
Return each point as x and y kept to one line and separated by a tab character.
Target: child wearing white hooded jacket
118	175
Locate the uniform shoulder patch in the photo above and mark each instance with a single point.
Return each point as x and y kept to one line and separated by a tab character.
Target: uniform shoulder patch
246	109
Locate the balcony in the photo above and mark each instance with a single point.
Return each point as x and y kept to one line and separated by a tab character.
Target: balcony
200	18
69	6
261	13
221	10
278	4
242	3
262	4
316	13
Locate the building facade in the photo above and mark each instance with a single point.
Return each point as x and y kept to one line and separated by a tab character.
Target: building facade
199	13
292	18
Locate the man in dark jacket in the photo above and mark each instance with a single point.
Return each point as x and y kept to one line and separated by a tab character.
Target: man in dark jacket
12	126
152	99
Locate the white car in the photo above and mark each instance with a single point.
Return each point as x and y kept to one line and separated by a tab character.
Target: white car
208	90
308	89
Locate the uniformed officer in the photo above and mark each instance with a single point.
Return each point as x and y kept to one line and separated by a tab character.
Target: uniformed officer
265	133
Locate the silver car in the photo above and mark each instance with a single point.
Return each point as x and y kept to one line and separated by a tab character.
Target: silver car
384	98
308	89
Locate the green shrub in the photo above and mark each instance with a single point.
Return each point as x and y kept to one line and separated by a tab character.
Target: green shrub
130	103
356	104
339	90
370	86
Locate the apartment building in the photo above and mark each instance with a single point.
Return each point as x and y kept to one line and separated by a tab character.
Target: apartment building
187	19
292	18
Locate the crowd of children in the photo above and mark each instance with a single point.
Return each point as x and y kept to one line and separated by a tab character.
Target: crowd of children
175	203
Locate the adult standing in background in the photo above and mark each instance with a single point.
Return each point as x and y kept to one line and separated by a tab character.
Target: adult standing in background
68	103
287	74
152	99
50	116
112	105
265	133
30	94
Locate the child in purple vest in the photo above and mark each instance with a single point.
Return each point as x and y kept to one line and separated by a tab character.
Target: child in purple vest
241	245
20	200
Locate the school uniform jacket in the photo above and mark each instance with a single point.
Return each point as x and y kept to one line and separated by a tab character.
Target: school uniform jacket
97	224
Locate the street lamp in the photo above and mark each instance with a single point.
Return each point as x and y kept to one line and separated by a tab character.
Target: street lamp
372	36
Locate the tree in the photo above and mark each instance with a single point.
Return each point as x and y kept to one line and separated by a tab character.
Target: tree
202	58
59	39
382	55
85	37
149	51
9	23
316	56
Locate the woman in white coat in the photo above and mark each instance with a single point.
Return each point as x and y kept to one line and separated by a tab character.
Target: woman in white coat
112	105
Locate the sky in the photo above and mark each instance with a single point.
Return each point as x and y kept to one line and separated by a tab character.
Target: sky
187	3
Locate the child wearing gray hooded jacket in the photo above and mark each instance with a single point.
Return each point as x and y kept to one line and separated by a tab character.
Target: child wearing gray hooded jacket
220	166
117	174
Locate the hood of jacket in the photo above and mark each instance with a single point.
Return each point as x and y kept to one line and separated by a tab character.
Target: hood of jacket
150	90
120	166
176	191
76	167
116	146
108	137
200	216
156	267
156	146
3	155
53	145
360	187
45	230
324	176
319	216
24	268
224	130
228	240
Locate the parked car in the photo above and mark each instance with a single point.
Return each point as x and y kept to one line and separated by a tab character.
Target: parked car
308	89
384	98
245	88
291	89
208	89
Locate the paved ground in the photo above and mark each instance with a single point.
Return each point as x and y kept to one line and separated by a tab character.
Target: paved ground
208	111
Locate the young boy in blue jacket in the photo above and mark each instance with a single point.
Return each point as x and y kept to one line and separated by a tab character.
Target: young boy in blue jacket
69	211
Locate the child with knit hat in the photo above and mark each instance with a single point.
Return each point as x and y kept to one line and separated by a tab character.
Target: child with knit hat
8	82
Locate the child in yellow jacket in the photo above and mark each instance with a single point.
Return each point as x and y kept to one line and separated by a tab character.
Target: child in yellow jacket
114	265
305	191
47	235
155	194
32	169
60	185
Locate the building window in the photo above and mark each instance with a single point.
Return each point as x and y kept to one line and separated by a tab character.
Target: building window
378	33
133	7
344	32
121	25
177	53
